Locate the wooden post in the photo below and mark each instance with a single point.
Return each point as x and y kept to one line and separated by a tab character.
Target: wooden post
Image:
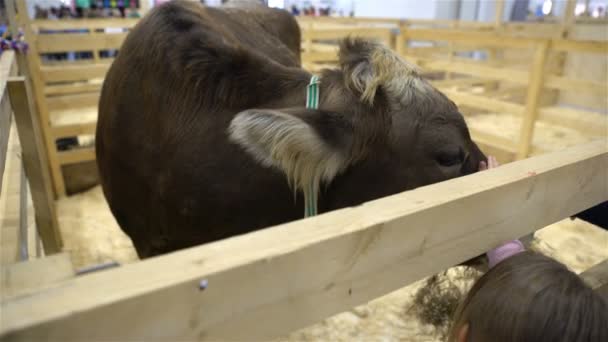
535	87
568	19
35	164
493	52
32	64
499	13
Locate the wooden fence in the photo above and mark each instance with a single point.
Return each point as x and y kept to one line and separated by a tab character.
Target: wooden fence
67	61
267	283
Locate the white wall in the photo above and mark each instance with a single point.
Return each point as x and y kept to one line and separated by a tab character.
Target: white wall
412	9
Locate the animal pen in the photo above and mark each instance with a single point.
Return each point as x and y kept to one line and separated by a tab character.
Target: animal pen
268	283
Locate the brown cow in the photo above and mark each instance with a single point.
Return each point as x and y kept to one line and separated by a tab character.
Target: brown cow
203	131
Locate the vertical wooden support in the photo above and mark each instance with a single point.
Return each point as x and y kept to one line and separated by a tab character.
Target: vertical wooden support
494	53
32	66
401	40
35	164
568	19
499	13
535	87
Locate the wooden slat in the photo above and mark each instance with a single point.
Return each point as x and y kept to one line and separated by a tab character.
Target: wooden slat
579	46
577	85
310	57
75	88
477	39
63	102
76	156
78	42
26	278
65	131
535	87
474	69
80	72
262	285
584	121
343	33
36	166
30	67
100	23
7	68
483	102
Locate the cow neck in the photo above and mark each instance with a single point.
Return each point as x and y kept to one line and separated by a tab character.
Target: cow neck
312	102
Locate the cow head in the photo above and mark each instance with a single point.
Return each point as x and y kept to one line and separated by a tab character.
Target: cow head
380	129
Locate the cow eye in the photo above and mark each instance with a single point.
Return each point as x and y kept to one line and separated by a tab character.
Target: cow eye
450	157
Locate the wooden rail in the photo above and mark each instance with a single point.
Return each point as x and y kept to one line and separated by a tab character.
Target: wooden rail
535	79
267	283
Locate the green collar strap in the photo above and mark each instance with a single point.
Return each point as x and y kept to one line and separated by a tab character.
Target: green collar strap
312	102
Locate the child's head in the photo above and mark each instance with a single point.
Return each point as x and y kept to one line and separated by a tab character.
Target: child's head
528	298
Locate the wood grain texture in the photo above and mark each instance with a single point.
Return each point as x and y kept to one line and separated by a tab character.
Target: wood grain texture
264	284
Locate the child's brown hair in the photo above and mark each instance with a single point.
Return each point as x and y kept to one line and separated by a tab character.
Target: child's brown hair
530	298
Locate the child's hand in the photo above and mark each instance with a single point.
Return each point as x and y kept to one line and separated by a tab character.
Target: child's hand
492	163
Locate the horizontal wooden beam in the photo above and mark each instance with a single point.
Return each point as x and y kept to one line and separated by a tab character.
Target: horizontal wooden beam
26	278
75	88
79	72
76	156
478	39
472	68
592	123
380	33
579	46
483	102
267	283
63	102
576	85
91	23
48	43
319	56
65	131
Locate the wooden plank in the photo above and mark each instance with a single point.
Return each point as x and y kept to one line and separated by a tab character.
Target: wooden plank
36	166
499	12
7	68
76	155
29	277
6	113
532	99
477	39
30	67
47	43
474	69
63	102
97	23
568	45
79	72
589	122
577	85
74	130
458	82
311	57
75	88
483	102
336	34
262	285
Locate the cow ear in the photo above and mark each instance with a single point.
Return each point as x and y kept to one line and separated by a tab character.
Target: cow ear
309	146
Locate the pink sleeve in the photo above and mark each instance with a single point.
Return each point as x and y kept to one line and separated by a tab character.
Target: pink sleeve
504	251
